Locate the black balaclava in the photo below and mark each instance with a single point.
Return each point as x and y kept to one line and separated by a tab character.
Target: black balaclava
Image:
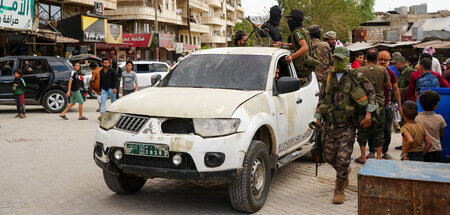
275	15
297	20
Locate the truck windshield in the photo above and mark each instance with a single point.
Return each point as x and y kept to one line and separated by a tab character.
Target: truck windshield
242	72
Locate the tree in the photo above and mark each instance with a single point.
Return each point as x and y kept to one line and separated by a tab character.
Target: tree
341	16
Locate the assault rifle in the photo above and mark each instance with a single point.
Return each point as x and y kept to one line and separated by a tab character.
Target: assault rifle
317	151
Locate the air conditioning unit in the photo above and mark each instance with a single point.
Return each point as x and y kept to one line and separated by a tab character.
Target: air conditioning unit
391	36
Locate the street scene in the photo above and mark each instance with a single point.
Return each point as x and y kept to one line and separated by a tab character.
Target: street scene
224	106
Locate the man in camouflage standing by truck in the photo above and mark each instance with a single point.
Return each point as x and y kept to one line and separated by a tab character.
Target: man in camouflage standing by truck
346	102
322	49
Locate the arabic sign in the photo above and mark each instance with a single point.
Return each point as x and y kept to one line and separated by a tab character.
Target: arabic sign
94	29
137	40
17	14
166	40
99	8
114	33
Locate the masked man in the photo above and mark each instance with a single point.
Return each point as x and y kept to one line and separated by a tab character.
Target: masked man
272	26
342	110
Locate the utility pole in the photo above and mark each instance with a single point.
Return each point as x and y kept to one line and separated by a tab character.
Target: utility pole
189	21
156	28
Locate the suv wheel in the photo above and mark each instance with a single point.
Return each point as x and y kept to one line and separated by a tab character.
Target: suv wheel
123	183
55	101
249	191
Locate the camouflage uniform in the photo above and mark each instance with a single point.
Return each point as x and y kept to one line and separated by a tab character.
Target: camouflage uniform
339	137
323	50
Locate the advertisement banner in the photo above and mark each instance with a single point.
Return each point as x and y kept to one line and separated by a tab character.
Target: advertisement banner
114	33
137	40
94	29
17	14
166	40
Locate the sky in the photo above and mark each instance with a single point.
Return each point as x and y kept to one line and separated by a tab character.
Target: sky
261	7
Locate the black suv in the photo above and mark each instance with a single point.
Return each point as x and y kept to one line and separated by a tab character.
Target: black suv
46	80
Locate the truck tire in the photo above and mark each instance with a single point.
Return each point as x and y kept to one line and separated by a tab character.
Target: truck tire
249	191
123	183
55	101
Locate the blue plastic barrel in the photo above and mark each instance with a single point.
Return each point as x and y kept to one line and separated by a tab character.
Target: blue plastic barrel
443	109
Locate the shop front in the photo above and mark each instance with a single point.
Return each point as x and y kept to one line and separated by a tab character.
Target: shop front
140	46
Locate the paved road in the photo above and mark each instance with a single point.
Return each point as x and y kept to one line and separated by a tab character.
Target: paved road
46	167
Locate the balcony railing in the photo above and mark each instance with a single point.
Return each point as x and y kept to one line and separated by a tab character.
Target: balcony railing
213	20
213	39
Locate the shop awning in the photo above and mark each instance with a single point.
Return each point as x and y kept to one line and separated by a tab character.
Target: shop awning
437	44
54	37
187	47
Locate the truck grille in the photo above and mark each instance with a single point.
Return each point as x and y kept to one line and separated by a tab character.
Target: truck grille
165	163
131	123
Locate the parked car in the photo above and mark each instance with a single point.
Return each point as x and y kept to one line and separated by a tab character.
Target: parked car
145	70
46	81
219	117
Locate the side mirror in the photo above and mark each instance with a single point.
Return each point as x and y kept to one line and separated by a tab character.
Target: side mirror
288	84
155	79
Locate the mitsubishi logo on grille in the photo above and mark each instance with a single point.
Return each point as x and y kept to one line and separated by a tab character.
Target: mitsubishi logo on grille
153	126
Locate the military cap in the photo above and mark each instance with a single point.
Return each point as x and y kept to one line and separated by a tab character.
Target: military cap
341	52
397	58
313	29
330	34
396	54
447	62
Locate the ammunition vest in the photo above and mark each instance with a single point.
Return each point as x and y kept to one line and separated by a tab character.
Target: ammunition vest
351	110
306	63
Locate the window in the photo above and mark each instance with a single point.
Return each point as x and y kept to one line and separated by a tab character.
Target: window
60	66
160	67
181	38
6	68
29	67
186	39
142	68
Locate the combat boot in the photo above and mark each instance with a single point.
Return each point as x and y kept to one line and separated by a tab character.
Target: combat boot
339	195
348	177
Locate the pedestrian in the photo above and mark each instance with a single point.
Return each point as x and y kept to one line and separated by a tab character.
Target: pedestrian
129	80
414	135
359	58
272	26
341	111
404	75
392	67
304	62
374	135
330	38
73	92
115	67
411	95
19	90
94	83
109	85
446	73
427	79
323	51
433	123
383	60
240	39
436	65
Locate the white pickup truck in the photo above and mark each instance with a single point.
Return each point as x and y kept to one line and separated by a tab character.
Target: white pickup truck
221	116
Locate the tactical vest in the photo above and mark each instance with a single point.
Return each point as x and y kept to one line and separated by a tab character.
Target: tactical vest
306	63
353	106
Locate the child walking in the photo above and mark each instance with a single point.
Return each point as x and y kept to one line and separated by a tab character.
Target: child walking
19	88
414	135
129	80
73	92
434	124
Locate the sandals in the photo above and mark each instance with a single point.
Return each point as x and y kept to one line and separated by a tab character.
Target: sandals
357	160
17	116
83	118
64	117
387	156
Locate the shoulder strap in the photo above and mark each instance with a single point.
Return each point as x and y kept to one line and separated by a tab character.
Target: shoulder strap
23	82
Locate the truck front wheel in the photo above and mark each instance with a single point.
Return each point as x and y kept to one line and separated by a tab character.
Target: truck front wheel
249	191
123	183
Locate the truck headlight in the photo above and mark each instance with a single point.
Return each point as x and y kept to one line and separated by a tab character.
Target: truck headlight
215	127
109	120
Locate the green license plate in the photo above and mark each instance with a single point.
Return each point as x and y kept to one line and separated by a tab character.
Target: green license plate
151	150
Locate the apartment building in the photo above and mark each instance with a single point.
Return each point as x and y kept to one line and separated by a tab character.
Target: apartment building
201	23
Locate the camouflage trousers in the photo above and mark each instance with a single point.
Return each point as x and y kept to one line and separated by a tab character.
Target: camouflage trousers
338	148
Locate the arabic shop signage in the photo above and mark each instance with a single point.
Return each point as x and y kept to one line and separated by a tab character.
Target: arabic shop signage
17	14
137	40
94	29
99	8
114	33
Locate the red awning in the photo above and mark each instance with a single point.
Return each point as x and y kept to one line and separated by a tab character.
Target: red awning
190	47
112	45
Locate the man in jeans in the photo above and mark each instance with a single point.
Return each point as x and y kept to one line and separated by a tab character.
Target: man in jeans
109	85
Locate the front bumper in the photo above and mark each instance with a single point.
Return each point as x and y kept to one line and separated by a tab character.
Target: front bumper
161	170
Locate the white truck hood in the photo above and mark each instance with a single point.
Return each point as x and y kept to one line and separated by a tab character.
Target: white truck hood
183	102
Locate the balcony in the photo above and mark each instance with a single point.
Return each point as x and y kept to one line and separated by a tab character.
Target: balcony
213	20
108	4
199	28
215	3
239	8
213	39
230	7
231	22
133	12
196	4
